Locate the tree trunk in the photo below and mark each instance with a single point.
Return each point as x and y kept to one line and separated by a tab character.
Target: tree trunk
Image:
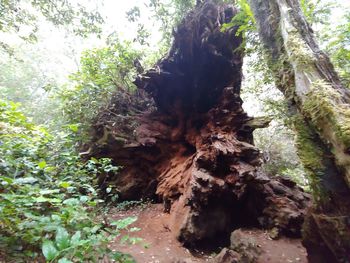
193	148
321	107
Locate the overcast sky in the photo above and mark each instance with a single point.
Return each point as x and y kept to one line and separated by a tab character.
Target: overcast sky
63	50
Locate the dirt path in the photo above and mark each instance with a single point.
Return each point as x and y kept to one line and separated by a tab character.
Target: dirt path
159	245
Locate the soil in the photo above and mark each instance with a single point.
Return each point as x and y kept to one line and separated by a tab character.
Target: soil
159	245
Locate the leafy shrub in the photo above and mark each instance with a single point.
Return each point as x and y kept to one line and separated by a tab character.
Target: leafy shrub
103	72
339	50
48	204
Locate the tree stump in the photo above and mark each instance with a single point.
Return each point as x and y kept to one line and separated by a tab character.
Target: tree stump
191	143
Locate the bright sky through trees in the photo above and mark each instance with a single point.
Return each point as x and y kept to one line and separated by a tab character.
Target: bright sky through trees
63	49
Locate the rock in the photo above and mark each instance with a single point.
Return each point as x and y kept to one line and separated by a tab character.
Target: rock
245	246
287	181
227	256
285	208
274	233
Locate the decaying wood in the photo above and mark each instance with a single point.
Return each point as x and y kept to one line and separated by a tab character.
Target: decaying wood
193	148
322	116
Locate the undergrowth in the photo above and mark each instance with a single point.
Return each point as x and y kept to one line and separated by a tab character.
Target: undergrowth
49	206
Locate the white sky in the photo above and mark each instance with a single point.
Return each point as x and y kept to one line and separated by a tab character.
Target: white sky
114	12
63	50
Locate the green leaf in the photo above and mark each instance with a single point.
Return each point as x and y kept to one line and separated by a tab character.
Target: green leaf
25	180
6	179
49	250
49	191
62	238
94	160
123	223
71	201
134	229
95	229
42	164
64	260
76	238
73	127
42	199
84	198
64	184
56	218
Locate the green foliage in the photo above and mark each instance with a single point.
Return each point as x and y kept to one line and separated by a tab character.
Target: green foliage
109	66
48	203
277	144
244	20
339	50
143	34
299	176
133	14
282	158
317	11
334	36
22	16
260	94
24	79
169	14
103	71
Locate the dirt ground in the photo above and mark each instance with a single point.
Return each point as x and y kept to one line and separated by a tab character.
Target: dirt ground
159	245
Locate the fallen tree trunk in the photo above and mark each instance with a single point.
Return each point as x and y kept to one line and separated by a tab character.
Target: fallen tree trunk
321	107
193	148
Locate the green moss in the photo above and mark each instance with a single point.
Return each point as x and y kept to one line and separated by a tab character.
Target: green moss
298	50
314	159
309	152
343	126
324	105
283	74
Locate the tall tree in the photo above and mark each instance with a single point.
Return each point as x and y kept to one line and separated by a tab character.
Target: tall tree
320	106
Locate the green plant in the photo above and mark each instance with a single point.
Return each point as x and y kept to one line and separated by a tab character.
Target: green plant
244	19
48	203
339	49
103	72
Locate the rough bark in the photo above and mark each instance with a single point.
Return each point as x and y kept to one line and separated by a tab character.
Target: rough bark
322	116
193	148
